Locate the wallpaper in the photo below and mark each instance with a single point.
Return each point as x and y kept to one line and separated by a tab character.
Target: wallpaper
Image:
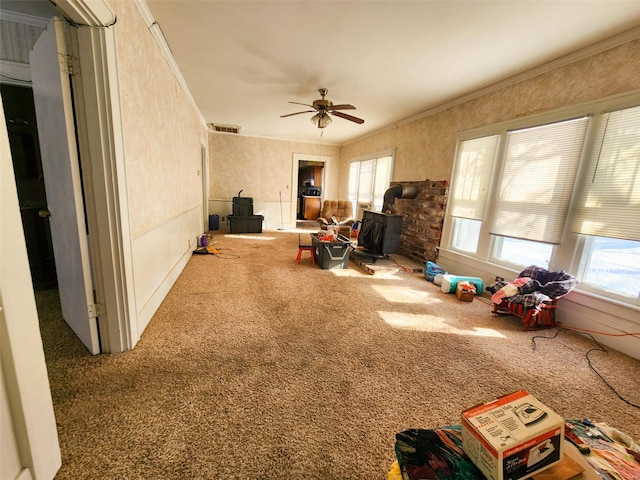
261	167
425	148
161	128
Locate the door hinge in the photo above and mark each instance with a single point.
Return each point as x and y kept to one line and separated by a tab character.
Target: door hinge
96	310
69	64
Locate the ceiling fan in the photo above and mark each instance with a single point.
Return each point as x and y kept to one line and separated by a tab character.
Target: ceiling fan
323	107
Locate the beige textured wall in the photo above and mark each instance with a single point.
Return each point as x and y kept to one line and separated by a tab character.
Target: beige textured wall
161	129
262	167
425	148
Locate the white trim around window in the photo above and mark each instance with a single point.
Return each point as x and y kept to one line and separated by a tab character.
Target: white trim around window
570	252
369	178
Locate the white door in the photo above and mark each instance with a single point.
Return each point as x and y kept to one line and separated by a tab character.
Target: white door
29	445
60	164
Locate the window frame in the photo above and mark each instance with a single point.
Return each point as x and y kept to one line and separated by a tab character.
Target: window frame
572	252
366	158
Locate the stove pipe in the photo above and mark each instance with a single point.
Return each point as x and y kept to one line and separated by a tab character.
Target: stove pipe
397	191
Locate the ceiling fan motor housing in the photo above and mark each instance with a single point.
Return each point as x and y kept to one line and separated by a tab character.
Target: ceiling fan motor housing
322	104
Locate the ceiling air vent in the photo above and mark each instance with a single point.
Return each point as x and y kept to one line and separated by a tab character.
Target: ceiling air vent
219	127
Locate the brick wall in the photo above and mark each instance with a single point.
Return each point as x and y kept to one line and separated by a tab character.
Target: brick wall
423	219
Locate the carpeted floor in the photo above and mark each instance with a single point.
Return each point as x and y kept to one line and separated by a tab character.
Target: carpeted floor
255	367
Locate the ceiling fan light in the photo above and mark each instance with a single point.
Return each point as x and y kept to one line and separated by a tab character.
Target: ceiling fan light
315	119
324	121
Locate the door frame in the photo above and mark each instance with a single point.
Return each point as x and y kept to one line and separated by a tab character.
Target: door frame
297	158
100	140
205	186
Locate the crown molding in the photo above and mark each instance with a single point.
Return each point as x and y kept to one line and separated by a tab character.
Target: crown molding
277	139
154	28
92	13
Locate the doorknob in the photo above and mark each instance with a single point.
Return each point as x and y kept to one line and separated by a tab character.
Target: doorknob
44	213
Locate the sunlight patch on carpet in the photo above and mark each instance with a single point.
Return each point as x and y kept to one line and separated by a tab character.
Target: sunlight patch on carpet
398	294
431	323
244	236
358	273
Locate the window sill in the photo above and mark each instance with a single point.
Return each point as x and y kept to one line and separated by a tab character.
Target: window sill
456	261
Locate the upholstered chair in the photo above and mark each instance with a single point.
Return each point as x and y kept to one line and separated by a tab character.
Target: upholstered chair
337	215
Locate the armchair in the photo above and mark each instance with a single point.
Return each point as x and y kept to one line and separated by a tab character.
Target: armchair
337	214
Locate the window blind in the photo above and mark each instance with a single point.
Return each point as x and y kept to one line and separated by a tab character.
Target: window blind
471	183
610	200
381	181
537	181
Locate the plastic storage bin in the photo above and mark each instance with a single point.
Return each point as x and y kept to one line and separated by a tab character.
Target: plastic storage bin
330	255
248	224
242	206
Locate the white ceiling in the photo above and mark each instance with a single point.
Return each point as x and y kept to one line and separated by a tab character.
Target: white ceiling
244	60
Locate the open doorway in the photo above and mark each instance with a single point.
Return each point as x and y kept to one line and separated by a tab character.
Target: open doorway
309	178
310	181
20	118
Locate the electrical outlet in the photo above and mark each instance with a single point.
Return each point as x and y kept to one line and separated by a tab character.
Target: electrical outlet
222	218
190	242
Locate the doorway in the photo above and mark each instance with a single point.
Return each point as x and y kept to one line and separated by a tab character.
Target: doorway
310	181
20	118
310	177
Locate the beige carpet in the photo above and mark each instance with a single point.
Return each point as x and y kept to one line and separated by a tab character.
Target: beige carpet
255	367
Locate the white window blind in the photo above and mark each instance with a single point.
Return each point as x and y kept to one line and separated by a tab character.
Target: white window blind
537	181
473	174
381	182
610	200
369	178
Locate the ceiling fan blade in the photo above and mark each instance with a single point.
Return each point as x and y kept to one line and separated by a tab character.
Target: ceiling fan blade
305	104
348	117
344	106
297	113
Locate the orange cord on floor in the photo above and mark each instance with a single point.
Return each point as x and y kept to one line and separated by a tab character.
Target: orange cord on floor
578	329
405	269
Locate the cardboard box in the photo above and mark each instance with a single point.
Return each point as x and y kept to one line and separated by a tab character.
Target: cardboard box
513	437
465	291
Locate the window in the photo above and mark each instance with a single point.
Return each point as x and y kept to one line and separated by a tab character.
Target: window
470	188
536	185
609	207
561	192
467	234
368	180
610	202
522	252
612	264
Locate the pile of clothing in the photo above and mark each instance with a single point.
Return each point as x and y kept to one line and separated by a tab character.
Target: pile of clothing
534	286
432	454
